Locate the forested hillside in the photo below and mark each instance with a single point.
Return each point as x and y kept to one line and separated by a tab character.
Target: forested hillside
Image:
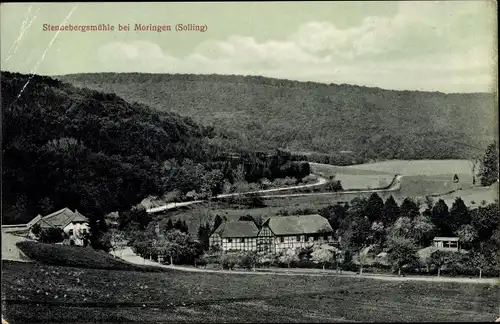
264	113
79	148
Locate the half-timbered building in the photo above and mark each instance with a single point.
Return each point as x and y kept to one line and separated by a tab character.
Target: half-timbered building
280	233
235	236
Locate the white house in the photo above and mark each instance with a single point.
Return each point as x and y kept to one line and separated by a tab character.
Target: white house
446	243
74	224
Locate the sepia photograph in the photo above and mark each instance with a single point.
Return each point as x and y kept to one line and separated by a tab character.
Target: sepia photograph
249	162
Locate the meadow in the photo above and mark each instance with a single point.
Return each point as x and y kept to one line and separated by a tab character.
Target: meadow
35	292
421	178
76	256
417	167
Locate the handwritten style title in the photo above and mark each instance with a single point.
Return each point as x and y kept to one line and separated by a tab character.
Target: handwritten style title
126	28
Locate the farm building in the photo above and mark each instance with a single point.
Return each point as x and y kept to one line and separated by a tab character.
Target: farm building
278	233
447	243
238	236
287	232
74	224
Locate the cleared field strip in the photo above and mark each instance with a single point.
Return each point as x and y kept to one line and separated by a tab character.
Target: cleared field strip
418	167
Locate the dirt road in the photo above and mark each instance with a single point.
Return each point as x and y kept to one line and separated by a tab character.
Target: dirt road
395	185
129	256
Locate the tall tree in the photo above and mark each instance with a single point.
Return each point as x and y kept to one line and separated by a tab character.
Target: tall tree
459	214
204	235
467	235
409	208
177	246
390	211
323	255
485	220
402	252
488	169
218	220
178	225
423	231
170	225
440	218
373	208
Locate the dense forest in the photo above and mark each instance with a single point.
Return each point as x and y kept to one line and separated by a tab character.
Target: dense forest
79	148
348	123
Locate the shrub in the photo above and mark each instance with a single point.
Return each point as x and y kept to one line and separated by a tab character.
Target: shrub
228	260
309	179
247	260
202	260
265	260
334	186
51	235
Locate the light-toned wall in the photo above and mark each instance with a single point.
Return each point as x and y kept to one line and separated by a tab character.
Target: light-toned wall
290	242
79	230
240	244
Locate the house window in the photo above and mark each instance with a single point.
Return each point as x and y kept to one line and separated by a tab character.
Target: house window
325	237
242	240
282	239
298	238
70	232
229	240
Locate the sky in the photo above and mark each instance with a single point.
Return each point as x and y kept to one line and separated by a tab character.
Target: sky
423	45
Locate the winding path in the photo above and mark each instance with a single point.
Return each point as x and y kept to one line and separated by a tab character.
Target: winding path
128	255
395	185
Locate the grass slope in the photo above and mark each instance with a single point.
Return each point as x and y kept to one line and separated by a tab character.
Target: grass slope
306	116
74	256
39	293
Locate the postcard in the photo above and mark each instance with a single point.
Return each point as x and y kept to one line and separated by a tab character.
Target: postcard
250	162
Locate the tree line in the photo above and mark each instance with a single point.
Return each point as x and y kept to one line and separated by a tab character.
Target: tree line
401	230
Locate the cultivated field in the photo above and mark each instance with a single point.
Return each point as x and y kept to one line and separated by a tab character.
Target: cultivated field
421	178
353	178
417	167
42	293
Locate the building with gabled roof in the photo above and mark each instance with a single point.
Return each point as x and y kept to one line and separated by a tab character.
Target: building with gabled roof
278	233
73	224
236	235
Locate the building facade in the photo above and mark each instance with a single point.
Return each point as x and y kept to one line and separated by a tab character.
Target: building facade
74	225
446	243
281	233
277	234
235	236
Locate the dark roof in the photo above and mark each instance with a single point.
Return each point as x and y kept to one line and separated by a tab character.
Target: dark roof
237	229
61	218
302	224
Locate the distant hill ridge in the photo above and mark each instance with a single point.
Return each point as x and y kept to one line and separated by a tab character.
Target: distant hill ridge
266	113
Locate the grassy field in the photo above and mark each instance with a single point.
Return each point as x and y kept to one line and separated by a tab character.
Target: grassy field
76	256
43	293
417	167
416	187
421	178
353	178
